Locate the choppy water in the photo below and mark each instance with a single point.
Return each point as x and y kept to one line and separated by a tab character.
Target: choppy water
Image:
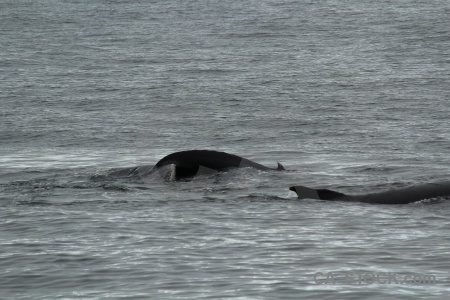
348	95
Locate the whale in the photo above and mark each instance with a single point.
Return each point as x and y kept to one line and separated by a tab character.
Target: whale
395	196
192	163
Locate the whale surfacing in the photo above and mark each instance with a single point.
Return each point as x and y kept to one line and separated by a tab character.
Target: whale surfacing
191	163
396	196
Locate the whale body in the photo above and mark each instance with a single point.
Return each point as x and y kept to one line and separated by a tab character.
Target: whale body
191	163
396	196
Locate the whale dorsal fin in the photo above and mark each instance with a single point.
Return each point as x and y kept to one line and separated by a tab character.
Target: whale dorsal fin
304	192
280	167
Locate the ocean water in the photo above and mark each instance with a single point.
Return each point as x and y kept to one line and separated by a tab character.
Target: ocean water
347	95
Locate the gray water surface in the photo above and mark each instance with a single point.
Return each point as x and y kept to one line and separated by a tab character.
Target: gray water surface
348	95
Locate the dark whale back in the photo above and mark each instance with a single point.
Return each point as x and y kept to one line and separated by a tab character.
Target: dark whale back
195	162
397	196
408	194
185	164
193	158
